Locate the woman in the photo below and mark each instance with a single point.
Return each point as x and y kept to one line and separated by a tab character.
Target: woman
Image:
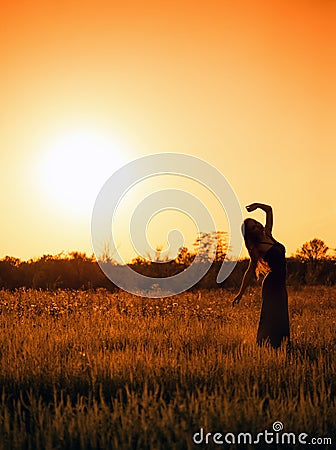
266	252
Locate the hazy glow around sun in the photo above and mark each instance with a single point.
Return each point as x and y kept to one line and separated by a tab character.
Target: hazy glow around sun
75	167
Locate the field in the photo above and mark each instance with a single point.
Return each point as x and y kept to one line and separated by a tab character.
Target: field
95	370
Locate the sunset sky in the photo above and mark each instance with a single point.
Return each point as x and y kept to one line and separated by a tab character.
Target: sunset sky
87	86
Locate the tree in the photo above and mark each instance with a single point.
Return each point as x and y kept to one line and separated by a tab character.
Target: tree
213	243
222	245
314	255
184	256
312	251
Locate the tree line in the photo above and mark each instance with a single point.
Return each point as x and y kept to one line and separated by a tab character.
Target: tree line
312	264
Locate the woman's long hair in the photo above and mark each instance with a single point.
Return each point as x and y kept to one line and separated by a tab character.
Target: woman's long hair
261	266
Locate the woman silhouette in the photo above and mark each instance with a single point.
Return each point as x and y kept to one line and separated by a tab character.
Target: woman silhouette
266	252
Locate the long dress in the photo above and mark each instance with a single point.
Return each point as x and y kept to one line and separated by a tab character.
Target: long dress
274	319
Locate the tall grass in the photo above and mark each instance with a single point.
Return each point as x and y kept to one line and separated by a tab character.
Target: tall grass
94	370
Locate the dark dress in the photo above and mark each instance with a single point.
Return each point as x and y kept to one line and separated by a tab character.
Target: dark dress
274	320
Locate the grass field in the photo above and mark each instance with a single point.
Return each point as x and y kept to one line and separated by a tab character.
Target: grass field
94	370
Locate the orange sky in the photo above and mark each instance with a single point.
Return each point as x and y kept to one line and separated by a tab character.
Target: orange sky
248	86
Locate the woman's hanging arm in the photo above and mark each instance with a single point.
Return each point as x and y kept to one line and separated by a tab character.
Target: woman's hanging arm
247	277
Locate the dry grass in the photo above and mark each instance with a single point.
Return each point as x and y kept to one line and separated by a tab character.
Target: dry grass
85	370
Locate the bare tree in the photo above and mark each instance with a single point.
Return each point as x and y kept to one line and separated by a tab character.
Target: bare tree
184	256
213	241
312	251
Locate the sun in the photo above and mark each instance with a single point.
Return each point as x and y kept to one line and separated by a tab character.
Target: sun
74	168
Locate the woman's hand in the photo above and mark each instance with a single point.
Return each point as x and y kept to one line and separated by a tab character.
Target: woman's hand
237	299
252	207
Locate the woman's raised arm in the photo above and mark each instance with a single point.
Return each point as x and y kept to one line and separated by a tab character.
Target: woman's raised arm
269	214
